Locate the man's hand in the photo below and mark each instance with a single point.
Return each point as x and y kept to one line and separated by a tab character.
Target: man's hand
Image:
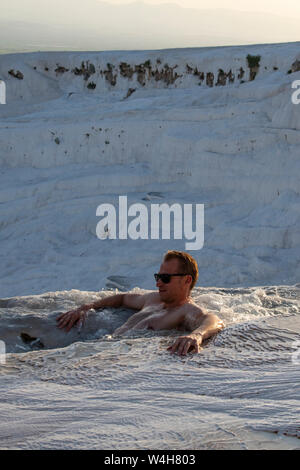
185	344
74	317
78	316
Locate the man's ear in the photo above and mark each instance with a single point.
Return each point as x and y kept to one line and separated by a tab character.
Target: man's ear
189	279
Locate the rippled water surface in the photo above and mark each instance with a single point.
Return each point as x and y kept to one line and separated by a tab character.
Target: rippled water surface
87	389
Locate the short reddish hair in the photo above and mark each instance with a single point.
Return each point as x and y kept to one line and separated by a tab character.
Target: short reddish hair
186	262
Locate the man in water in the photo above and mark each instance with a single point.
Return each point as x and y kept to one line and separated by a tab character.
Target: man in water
170	308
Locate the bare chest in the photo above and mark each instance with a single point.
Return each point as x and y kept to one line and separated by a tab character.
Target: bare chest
164	320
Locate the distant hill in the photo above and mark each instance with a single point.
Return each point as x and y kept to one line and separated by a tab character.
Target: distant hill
96	25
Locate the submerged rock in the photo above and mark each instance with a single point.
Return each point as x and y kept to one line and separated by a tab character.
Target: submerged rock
34	343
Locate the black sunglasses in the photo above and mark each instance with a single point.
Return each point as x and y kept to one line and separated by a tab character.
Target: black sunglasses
166	278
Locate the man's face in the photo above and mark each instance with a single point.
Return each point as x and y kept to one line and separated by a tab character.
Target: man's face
177	286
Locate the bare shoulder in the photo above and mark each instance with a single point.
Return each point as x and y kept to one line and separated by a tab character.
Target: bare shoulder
195	315
194	310
139	301
152	298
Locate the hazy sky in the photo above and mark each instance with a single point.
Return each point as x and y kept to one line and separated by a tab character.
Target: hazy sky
290	8
145	24
280	7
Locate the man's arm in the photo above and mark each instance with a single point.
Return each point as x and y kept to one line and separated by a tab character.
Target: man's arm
77	316
209	324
